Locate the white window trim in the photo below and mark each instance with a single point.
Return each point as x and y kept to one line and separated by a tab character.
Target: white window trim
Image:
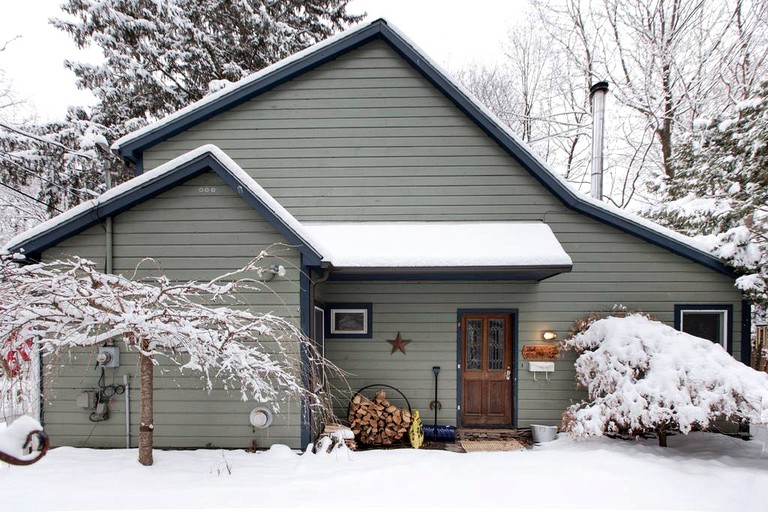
335	311
723	324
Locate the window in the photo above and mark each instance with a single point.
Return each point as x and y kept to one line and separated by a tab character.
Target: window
711	322
349	320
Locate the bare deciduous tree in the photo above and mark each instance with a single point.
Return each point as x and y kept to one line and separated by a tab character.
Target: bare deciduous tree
669	62
64	305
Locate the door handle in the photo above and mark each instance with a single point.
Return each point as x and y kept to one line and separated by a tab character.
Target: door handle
509	373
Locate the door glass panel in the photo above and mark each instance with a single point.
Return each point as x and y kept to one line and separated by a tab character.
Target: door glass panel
474	342
495	344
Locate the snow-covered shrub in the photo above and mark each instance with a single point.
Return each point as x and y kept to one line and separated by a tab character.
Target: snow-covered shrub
644	376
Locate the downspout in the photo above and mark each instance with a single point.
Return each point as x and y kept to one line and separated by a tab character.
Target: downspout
109	246
104	147
312	283
109	269
597	95
311	334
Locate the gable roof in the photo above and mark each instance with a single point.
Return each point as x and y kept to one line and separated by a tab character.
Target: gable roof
132	145
141	188
532	251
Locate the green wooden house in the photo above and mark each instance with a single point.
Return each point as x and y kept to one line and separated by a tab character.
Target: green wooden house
404	208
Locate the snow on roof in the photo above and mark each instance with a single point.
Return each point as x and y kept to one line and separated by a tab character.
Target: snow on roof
438	244
349	244
152	176
567	189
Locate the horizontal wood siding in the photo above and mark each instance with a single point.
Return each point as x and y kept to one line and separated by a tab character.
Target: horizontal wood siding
426	313
386	145
367	138
198	230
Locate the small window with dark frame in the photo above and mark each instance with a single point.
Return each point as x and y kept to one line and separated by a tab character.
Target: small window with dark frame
710	324
349	321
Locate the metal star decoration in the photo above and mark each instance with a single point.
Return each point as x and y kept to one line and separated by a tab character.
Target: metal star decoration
398	343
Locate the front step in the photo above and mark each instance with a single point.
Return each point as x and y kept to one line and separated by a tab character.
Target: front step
493	434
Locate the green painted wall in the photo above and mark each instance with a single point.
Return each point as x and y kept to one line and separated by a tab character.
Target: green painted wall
366	138
198	230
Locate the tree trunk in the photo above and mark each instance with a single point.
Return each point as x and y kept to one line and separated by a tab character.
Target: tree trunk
147	425
661	432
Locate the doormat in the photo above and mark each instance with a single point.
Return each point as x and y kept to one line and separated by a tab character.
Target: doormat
509	445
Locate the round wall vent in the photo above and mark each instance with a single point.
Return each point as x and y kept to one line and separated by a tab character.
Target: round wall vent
261	417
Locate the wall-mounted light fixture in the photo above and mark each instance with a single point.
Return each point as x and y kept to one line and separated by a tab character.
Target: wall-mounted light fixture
270	273
549	335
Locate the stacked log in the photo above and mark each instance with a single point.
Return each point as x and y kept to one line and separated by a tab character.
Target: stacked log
377	422
340	431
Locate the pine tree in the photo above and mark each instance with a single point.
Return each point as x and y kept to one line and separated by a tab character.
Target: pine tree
159	57
162	56
720	192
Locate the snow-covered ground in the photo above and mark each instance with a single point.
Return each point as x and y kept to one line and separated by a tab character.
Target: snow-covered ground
697	472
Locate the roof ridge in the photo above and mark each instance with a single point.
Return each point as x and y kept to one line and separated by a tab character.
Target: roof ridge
132	144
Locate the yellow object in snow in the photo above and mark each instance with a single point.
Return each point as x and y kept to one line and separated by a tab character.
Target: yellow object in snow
416	431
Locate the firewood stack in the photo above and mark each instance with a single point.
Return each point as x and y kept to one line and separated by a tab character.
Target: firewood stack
377	422
331	428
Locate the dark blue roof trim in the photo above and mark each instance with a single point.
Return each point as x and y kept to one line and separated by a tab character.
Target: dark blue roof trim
204	163
746	332
379	30
523	273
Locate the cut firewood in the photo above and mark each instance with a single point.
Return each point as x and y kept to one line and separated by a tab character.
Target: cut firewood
377	422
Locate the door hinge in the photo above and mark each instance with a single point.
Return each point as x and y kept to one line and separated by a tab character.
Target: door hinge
458	407
458	366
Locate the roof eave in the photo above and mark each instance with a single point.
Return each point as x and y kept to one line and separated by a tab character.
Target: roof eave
194	167
449	273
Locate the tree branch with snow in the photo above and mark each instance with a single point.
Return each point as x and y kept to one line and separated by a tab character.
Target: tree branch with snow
201	327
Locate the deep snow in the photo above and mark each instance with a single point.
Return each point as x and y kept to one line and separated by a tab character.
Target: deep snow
697	472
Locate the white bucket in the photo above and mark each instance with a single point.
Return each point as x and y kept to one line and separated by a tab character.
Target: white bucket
543	433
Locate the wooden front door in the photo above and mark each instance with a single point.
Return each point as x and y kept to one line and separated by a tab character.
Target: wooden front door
486	369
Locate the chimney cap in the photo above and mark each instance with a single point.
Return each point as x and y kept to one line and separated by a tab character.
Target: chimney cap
599	86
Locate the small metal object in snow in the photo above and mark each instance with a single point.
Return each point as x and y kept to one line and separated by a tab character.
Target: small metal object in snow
37	439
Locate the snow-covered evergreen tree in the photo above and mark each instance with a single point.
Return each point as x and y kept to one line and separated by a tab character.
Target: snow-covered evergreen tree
159	57
720	192
162	56
59	161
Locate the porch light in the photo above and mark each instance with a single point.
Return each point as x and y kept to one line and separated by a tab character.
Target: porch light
269	274
549	335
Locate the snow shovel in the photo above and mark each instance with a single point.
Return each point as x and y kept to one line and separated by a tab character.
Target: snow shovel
435	432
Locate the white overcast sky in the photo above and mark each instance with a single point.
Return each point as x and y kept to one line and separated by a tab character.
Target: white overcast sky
451	32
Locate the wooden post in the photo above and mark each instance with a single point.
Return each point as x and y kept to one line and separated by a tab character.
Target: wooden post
147	425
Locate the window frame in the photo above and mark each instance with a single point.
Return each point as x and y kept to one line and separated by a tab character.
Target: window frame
361	307
725	309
